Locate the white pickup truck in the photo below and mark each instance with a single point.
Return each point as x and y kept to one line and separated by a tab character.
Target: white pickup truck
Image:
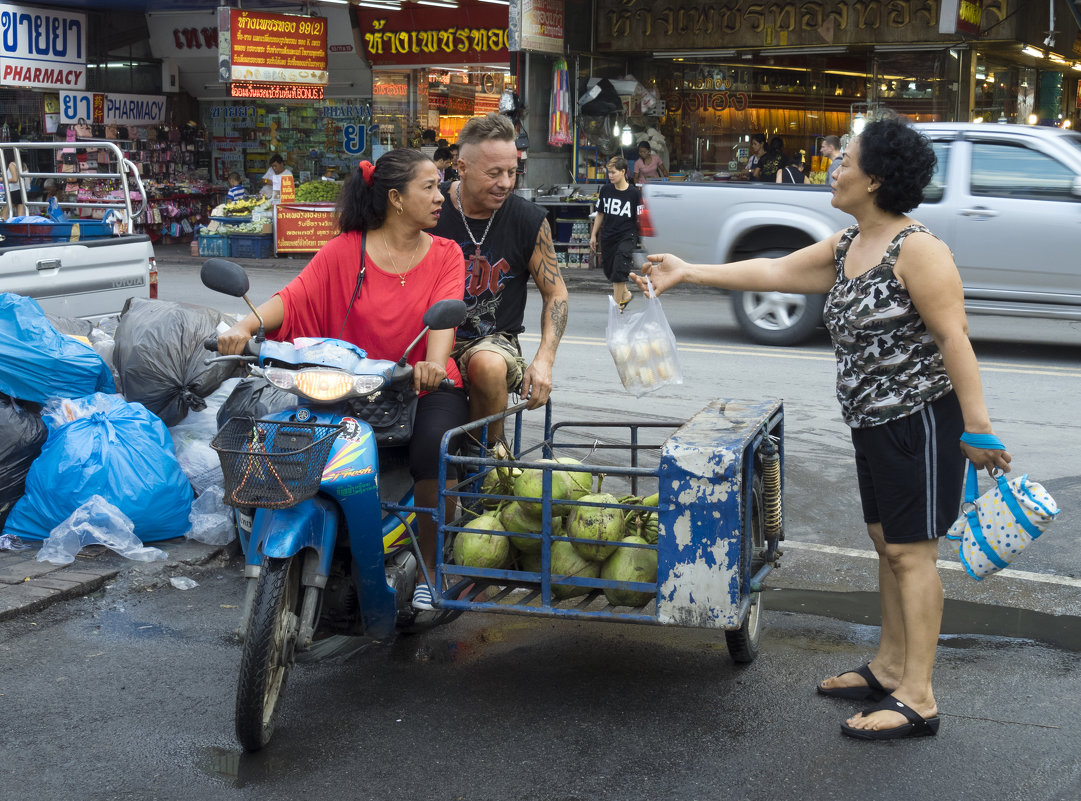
1005	198
82	268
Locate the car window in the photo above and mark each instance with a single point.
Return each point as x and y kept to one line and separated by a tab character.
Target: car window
932	193
1002	169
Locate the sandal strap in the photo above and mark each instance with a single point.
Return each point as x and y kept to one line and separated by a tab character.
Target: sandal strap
892	704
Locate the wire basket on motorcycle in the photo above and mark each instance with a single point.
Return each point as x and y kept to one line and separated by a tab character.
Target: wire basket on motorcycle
272	464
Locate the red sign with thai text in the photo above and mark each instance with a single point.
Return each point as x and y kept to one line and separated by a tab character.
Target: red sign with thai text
304	227
282	48
470	34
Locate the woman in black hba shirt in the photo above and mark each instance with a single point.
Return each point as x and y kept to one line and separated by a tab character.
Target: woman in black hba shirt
617	223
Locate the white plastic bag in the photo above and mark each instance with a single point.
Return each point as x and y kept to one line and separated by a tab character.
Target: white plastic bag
643	346
211	520
96	522
191	440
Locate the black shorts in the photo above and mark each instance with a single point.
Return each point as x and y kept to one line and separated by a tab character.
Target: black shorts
911	471
437	413
616	259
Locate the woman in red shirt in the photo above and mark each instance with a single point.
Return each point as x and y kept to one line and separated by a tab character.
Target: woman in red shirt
384	209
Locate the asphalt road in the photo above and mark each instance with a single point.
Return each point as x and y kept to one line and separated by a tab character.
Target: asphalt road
127	695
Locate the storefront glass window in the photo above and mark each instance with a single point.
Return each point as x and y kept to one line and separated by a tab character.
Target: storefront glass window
713	107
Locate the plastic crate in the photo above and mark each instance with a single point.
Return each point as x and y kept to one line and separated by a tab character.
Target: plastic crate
250	246
214	246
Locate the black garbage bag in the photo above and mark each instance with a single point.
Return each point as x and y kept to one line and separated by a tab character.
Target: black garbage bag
159	355
22	433
72	326
256	398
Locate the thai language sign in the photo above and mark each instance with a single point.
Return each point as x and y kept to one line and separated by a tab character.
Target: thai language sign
636	25
304	227
536	25
112	109
277	48
42	49
466	35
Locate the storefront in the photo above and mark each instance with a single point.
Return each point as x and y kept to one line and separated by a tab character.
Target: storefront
320	128
802	71
433	68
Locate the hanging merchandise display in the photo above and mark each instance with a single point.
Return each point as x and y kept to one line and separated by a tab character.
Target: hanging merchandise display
559	122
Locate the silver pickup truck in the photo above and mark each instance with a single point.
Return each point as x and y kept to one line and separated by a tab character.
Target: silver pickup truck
1005	198
82	268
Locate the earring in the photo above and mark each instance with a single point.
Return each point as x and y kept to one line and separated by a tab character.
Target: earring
399	211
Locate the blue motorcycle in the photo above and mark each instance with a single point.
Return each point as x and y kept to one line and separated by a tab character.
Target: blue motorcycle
332	552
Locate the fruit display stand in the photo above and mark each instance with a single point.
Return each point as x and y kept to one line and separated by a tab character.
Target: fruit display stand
710	526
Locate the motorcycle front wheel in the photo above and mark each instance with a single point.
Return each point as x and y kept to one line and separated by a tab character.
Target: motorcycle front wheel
268	651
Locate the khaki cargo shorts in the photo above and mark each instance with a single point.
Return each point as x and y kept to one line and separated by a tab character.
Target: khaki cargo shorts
506	345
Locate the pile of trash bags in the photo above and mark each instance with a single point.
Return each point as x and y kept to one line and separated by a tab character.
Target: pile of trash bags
105	428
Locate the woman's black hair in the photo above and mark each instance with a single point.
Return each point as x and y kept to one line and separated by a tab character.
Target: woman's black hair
760	138
364	208
775	146
644	144
901	158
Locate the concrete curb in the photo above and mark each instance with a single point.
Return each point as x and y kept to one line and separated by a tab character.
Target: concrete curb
27	585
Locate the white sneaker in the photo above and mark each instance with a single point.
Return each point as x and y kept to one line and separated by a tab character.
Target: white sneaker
422	597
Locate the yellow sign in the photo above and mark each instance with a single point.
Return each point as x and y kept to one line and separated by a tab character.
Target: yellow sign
288	193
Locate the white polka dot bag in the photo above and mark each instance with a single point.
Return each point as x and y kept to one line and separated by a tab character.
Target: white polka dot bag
994	528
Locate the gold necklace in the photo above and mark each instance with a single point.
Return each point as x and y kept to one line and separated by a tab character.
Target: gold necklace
408	267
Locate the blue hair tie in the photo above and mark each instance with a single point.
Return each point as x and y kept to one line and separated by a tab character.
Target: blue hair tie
985	441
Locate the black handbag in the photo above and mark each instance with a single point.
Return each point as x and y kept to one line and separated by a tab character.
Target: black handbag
390	413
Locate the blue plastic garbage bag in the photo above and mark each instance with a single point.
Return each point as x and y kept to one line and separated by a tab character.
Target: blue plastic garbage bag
37	362
111	448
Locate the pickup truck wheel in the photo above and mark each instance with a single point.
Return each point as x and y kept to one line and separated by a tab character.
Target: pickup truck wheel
778	318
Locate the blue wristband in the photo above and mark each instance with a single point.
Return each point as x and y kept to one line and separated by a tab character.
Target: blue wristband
985	441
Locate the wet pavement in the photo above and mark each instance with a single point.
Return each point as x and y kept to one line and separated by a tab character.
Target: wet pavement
498	707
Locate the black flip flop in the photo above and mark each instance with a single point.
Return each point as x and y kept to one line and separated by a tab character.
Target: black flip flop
623	305
874	691
917	726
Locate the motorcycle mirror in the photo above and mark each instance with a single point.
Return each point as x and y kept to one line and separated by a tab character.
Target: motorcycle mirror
224	276
441	315
445	314
229	278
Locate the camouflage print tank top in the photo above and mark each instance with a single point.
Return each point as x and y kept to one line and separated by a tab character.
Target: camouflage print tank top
888	365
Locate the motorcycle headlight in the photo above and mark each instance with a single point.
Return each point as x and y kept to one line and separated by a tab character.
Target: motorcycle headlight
317	384
363	384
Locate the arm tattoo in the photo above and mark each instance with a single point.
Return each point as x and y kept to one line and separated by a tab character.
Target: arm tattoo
546	272
559	318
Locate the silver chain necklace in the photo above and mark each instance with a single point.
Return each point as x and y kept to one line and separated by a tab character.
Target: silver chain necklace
465	222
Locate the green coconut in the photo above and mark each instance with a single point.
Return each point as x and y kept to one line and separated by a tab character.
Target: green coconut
580	483
630	564
596	523
530	484
478	549
566	561
515	518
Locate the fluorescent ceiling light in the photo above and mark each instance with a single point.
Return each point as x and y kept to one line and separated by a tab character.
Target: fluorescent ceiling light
906	48
1029	50
437	4
803	51
497	2
1056	58
694	54
336	2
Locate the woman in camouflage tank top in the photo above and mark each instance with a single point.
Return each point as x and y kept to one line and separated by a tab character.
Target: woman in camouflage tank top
909	386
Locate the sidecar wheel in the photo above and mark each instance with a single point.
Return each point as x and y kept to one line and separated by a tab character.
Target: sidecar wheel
268	651
743	642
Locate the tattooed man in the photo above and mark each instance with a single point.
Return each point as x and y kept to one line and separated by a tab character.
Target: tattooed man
506	241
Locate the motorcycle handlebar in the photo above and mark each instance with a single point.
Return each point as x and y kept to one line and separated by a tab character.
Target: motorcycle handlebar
251	347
